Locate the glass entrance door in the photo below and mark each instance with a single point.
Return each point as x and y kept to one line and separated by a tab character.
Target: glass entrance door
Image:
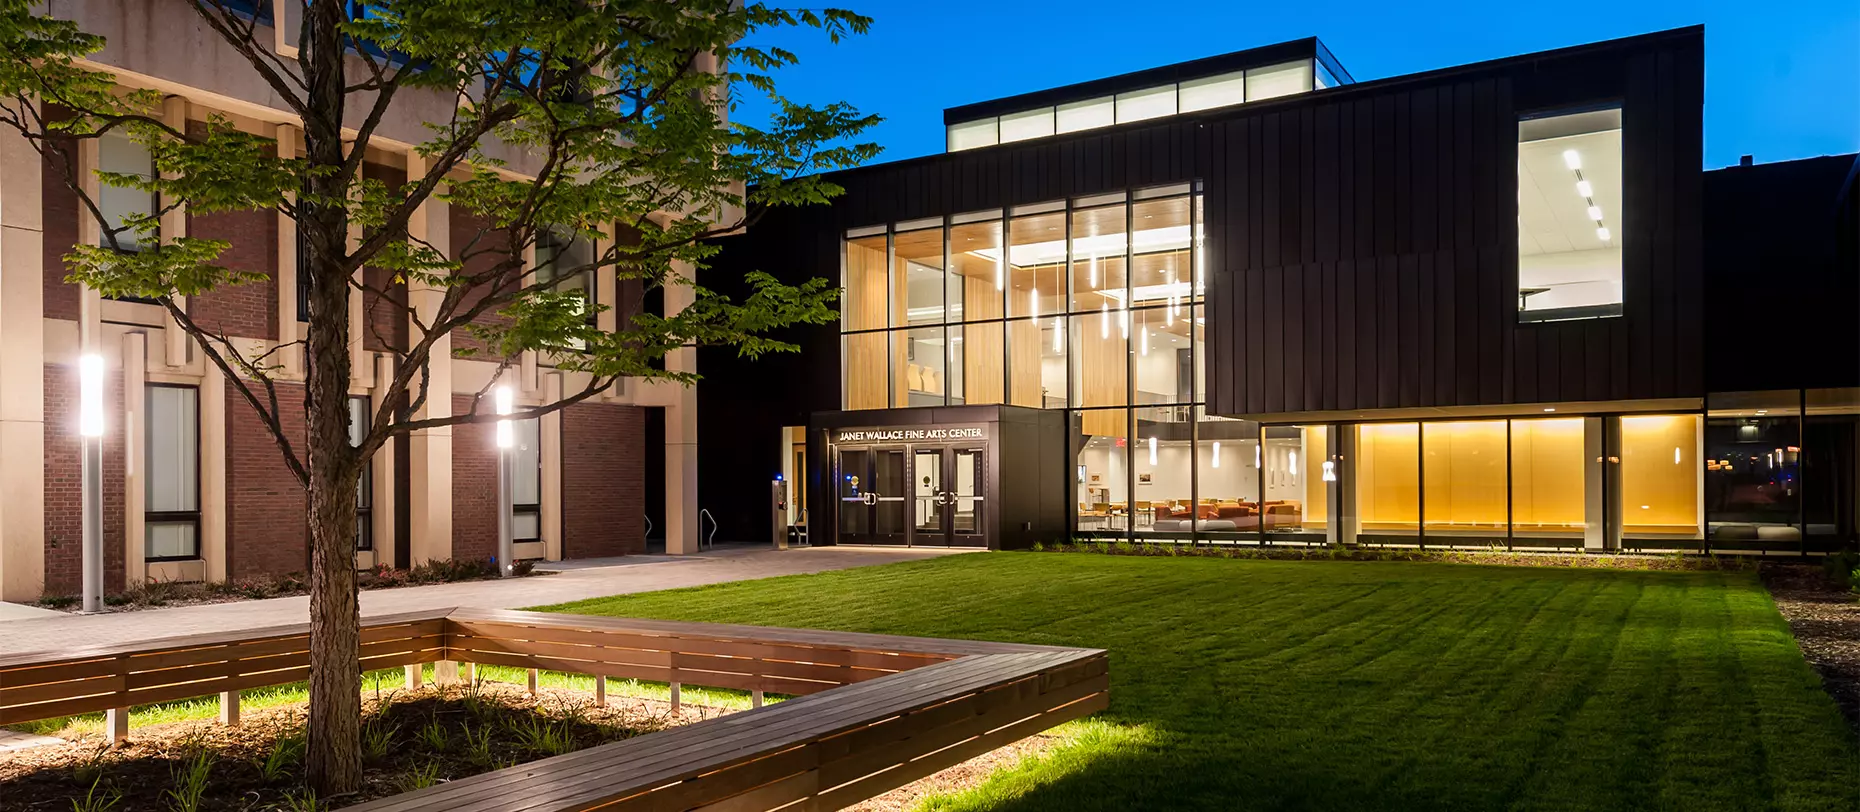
872	487
928	499
967	496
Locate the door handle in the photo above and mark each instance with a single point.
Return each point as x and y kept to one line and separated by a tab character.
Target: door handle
869	498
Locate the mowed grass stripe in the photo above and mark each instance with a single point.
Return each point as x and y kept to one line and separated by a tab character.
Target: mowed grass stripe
1350	685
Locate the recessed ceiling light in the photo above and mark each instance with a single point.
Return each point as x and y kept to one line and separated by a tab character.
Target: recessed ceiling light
1601	233
1549	408
1595	213
1583	188
1571	159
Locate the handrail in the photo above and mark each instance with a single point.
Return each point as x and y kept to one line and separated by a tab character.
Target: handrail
648	526
707	542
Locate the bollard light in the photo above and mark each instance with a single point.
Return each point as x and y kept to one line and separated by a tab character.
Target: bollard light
90	477
506	483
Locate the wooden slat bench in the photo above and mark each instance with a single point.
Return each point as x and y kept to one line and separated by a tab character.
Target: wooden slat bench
873	712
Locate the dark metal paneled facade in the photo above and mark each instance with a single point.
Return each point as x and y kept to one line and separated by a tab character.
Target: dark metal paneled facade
1362	242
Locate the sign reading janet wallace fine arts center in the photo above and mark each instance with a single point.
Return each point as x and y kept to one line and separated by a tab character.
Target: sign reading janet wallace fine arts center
923	434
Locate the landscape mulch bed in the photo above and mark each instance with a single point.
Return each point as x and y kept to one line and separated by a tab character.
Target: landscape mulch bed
1825	618
411	738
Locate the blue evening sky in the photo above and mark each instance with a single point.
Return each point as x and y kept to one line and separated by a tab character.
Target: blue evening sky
1782	79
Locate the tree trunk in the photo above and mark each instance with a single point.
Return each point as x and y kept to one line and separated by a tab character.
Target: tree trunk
333	758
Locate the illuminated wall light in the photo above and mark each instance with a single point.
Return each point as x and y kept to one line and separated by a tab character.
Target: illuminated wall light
1293	456
1152	451
1123	321
1572	160
1595	213
1676	456
1104	320
1601	233
1059	335
1146	341
1583	188
1001	271
1217	454
1094	273
1330	471
1033	302
1256	456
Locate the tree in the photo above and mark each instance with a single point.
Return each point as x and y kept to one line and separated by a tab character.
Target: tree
618	126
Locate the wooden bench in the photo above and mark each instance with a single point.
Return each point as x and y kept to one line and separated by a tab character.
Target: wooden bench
873	712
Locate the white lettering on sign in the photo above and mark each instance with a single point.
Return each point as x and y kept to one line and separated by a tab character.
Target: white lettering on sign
909	435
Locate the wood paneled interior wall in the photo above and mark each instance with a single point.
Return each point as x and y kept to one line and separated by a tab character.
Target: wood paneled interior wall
1024	363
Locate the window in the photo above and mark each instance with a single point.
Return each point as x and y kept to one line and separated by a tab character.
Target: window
1388	487
1570	216
171	520
120	204
1151	102
1661	478
1085	115
1031	124
1273	81
973	134
303	278
1548	478
364	487
863	302
567	262
917	270
1464	472
526	487
1213	91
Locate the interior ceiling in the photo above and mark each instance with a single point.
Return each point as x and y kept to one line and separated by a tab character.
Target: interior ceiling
1552	216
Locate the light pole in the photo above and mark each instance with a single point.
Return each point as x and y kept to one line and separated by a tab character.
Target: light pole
506	487
90	455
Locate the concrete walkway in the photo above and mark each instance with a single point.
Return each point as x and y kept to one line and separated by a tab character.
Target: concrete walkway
625	575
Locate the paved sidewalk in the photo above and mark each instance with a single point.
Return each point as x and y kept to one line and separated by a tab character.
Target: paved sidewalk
658	572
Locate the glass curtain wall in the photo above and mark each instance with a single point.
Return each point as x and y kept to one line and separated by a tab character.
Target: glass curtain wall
1089	305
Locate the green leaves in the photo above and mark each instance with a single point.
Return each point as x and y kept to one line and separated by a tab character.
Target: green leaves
543	121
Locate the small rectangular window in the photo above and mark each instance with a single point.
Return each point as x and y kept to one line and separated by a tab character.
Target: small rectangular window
1085	115
526	489
1213	91
1154	102
1031	124
359	416
171	520
567	261
1273	81
1569	216
973	134
117	153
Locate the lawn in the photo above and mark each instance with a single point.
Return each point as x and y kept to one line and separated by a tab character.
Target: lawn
1341	685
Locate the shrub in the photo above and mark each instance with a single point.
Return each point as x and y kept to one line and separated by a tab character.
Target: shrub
58	601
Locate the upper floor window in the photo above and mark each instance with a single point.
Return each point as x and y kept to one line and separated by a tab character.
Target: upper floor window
359	417
1569	216
117	153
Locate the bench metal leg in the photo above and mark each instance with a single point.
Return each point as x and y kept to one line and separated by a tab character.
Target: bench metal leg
600	691
532	684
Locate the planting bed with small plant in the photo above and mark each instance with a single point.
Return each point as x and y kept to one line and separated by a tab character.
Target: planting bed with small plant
1495	556
411	739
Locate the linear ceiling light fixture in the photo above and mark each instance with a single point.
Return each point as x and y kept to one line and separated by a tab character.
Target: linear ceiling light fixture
1573	160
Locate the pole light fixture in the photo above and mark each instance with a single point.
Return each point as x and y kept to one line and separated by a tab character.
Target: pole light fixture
90	475
506	485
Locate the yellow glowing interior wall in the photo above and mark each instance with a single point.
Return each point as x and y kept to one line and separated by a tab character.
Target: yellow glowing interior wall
866	371
1547	475
1660	474
1465	474
1388	488
863	307
1317	503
